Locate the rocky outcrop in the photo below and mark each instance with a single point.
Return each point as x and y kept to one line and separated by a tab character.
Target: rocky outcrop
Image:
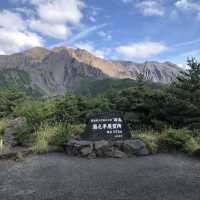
104	148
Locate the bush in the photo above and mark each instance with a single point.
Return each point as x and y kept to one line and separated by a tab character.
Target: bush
66	132
9	99
192	145
36	111
57	135
181	140
44	137
24	135
63	135
175	140
150	139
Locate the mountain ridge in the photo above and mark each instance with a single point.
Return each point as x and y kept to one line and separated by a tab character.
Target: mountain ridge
55	71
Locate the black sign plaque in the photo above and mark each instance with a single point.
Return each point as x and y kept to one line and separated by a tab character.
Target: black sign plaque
106	126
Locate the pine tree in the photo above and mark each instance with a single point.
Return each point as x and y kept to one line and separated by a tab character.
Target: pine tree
186	90
187	85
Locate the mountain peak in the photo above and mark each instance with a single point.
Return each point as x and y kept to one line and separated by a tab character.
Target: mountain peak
36	53
59	69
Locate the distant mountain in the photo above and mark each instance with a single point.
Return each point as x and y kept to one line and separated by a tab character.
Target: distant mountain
53	72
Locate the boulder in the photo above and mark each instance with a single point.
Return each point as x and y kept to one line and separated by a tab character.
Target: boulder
135	147
115	153
118	144
8	138
79	147
101	148
143	152
86	151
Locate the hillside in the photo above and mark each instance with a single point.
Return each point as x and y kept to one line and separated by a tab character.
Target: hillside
53	72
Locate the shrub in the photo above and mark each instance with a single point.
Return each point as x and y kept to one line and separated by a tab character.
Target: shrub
150	139
24	135
66	132
44	136
175	139
192	145
36	111
9	99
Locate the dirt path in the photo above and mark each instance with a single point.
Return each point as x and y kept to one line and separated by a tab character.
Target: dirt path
58	177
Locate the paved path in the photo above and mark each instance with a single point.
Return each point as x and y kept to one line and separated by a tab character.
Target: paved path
58	177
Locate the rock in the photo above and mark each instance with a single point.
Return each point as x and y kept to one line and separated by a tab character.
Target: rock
118	144
8	138
92	155
85	151
135	147
115	153
79	147
143	152
101	144
101	148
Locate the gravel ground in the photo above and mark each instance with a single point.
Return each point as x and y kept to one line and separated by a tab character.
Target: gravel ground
58	177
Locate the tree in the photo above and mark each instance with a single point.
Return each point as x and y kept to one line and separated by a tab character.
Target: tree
9	99
187	84
186	89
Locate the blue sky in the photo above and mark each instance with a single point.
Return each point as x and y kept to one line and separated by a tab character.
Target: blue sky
135	30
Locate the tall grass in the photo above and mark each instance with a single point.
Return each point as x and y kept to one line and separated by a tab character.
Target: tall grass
57	135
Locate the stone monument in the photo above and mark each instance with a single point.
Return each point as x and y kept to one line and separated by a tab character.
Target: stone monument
106	135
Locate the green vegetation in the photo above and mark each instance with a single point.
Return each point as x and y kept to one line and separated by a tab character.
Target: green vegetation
93	87
174	140
24	135
19	157
10	78
3	126
167	117
57	135
44	137
151	139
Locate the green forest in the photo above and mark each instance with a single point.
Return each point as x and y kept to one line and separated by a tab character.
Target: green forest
166	117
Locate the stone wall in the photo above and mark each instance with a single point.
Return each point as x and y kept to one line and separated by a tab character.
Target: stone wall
103	148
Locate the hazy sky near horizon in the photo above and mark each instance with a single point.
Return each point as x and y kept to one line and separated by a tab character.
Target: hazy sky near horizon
135	30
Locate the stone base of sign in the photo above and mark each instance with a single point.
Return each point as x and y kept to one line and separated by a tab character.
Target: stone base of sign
104	148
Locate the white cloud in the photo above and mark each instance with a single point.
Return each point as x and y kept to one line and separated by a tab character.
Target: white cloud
13	41
58	31
59	11
25	11
141	50
54	17
188	5
14	34
151	8
11	21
